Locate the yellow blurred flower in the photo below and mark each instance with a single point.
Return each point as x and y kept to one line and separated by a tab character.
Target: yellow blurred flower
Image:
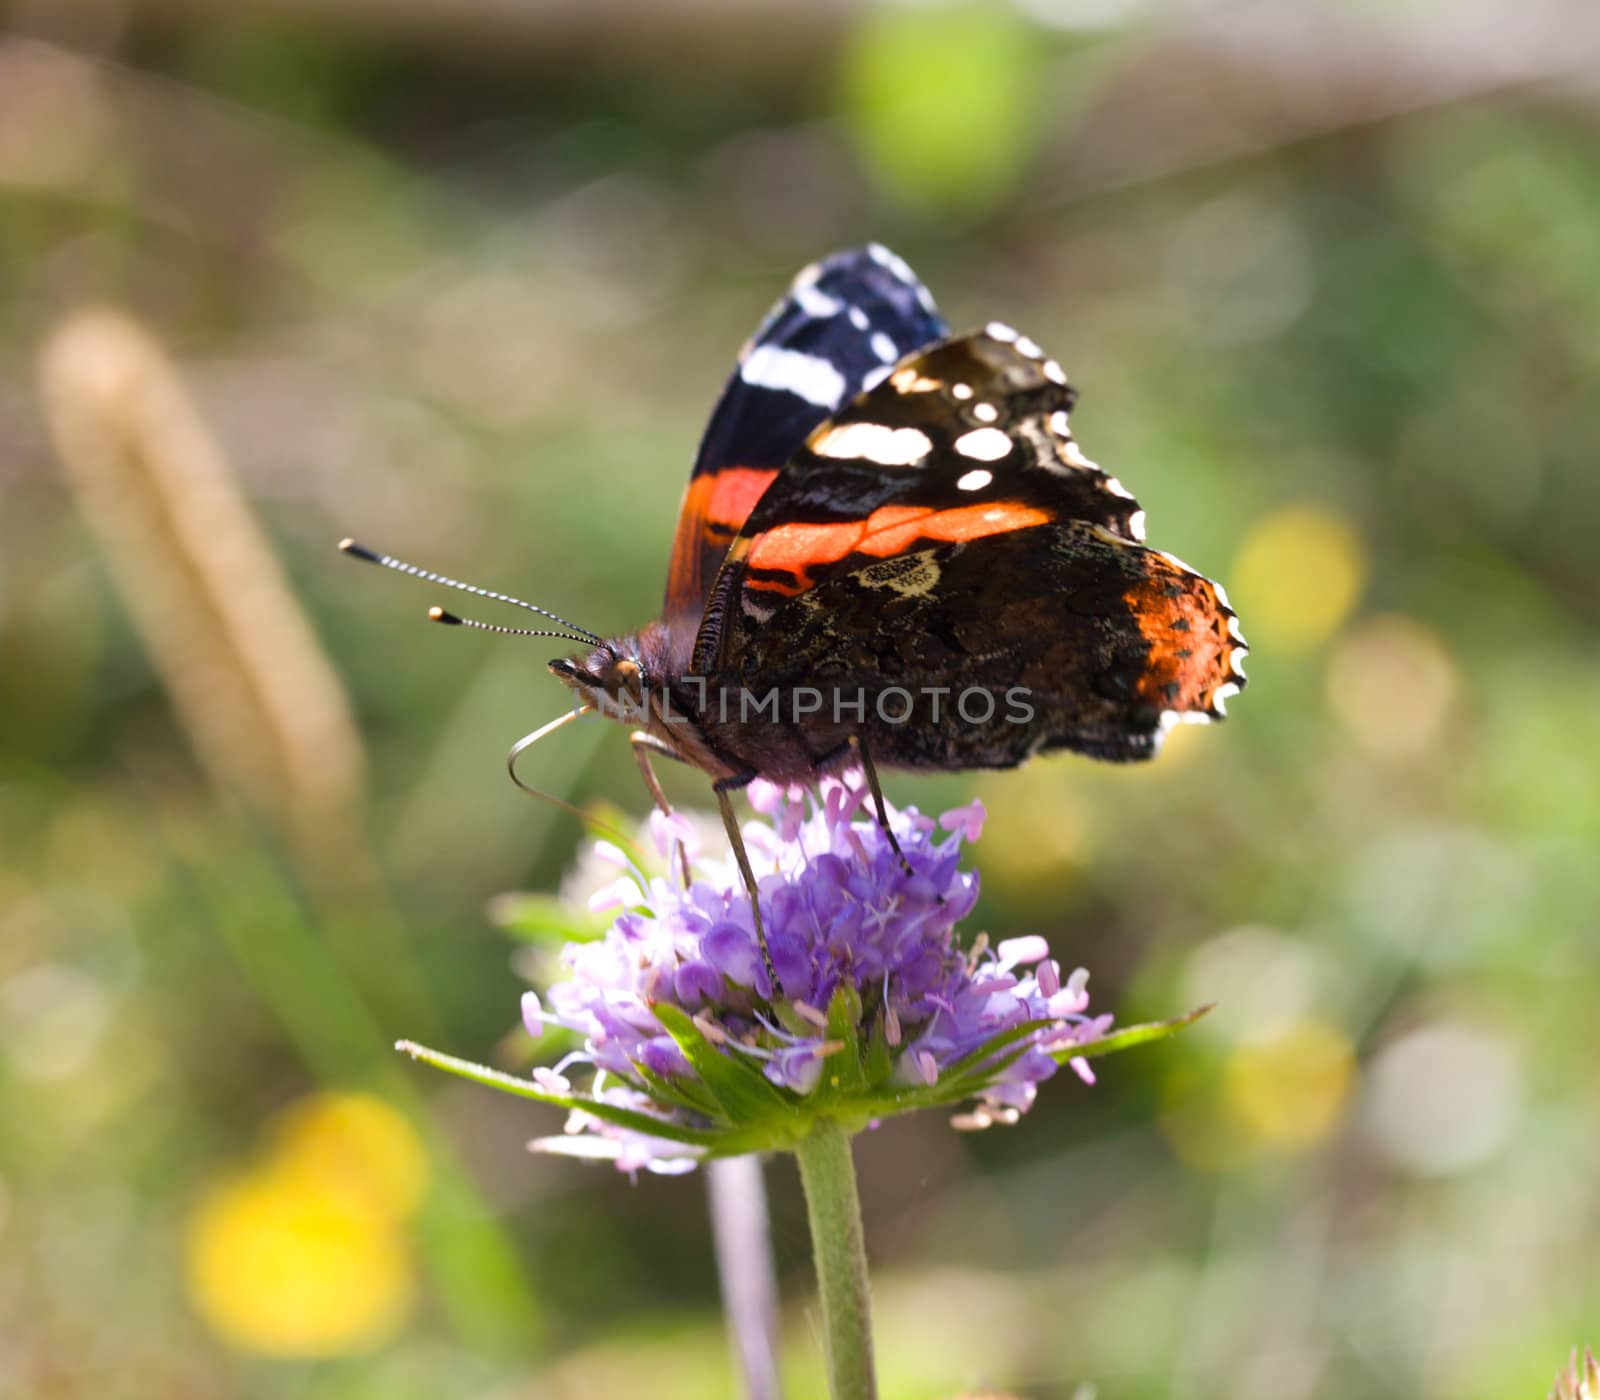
356	1143
1298	574
305	1254
1289	1092
1283	1093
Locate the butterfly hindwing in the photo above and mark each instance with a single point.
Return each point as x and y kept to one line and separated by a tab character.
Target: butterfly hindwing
1057	635
843	323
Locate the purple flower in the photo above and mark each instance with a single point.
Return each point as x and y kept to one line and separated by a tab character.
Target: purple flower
690	1049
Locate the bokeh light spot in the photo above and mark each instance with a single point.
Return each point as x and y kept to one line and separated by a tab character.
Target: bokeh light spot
1391	683
941	101
1443	1097
1298	574
52	1018
1037	831
1262	981
1289	1092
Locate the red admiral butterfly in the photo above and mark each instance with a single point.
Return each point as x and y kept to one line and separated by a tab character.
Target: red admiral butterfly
892	550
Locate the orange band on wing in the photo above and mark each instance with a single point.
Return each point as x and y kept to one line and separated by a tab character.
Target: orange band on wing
732	493
714	507
889	530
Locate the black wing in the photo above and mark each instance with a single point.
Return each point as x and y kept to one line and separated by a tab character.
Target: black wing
966	439
844	322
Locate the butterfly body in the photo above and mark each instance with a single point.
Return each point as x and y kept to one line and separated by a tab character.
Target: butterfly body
891	540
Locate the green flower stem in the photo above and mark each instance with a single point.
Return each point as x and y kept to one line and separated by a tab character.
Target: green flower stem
839	1248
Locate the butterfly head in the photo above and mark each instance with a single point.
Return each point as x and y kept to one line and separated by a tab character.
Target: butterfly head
611	677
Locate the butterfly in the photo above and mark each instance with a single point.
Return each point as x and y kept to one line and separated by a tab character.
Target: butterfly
892	550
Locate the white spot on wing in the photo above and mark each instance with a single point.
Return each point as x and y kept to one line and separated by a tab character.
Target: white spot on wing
902	270
985	412
1054	373
1059	425
908	381
858	318
1116	488
998	330
894	262
961	391
817	303
984	444
807	376
1030	348
976	479
874	377
888	447
1136	525
883	347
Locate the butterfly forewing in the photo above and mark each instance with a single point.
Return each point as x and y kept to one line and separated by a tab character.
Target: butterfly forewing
969	436
844	322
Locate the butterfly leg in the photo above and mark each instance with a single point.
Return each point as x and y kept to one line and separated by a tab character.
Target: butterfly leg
643	745
881	811
722	787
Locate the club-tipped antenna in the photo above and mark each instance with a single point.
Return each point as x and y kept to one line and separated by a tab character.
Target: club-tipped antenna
388	561
450	619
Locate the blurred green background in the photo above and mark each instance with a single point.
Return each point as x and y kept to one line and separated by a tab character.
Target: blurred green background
464	280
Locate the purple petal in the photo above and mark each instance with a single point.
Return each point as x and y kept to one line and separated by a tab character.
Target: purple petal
660	1055
666	832
968	820
695	983
532	1014
1014	952
733	952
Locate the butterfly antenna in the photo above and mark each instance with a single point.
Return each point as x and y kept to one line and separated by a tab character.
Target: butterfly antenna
388	561
450	619
589	820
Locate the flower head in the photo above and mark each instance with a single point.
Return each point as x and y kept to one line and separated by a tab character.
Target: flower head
877	1009
689	1049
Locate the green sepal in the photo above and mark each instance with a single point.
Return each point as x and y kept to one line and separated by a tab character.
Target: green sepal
527	1089
1129	1036
843	1074
879	1061
748	1098
686	1092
